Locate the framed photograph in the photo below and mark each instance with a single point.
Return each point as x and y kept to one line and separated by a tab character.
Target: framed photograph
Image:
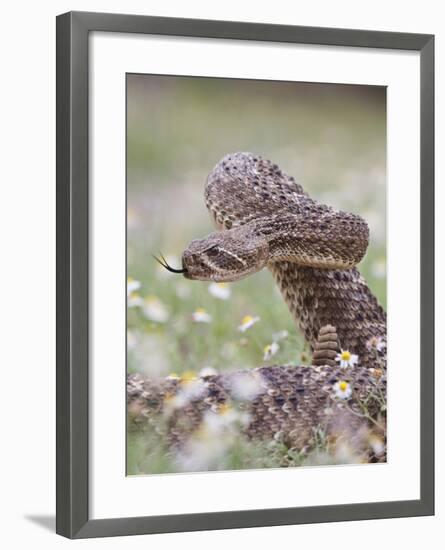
245	248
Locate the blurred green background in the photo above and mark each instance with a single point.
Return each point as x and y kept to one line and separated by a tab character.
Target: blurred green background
331	138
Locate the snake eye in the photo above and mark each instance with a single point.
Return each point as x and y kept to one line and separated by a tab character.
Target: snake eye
213	251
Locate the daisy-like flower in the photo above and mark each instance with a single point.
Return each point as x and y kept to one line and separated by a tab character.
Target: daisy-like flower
221	291
223	417
200	315
270	350
377	445
133	298
346	359
281	335
377	343
205	372
172	402
208	446
205	450
132	286
225	414
342	390
192	387
246	386
211	426
154	310
188	376
247	322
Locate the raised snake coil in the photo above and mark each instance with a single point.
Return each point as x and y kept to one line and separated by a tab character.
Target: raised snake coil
265	219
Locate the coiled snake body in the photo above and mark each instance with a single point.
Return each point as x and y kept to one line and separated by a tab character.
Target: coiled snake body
265	219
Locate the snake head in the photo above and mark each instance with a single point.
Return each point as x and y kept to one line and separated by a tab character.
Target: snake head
225	256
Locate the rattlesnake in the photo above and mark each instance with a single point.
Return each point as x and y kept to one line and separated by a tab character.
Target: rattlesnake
265	219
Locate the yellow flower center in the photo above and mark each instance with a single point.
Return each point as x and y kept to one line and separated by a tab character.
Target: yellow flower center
343	385
224	408
246	319
200	310
267	348
188	376
221	285
345	356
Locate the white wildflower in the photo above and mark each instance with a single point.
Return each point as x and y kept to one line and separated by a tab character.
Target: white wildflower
173	402
192	387
221	291
342	390
204	451
208	447
346	359
281	335
246	385
270	350
154	310
345	453
133	298
380	345
200	315
132	286
377	445
247	322
377	343
207	371
225	419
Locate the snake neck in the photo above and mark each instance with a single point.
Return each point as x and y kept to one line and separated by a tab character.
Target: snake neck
319	297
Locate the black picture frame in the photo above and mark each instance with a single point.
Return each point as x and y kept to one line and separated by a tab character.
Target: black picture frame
72	224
